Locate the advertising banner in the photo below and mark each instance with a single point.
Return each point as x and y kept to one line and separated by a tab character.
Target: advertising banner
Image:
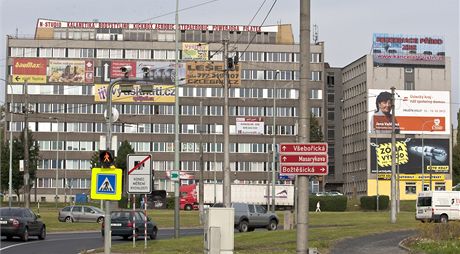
250	125
70	71
162	72
30	70
408	49
195	51
409	154
417	112
158	94
210	73
115	71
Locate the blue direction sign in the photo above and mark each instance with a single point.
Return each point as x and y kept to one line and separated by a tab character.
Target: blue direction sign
106	183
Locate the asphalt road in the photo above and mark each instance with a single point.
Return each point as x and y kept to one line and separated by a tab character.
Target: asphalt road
383	243
73	243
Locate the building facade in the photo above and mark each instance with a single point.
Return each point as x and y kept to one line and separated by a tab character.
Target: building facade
67	66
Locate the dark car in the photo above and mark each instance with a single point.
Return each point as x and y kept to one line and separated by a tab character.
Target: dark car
122	223
21	222
81	213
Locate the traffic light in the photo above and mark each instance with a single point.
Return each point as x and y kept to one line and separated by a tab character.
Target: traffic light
106	158
230	65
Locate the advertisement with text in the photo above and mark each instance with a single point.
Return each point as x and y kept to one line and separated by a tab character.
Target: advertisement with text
417	112
70	71
409	154
211	73
162	72
250	125
195	51
155	94
30	70
408	49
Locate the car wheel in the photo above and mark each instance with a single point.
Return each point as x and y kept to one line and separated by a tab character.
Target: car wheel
100	220
153	236
273	225
243	226
25	235
444	219
68	219
188	208
42	235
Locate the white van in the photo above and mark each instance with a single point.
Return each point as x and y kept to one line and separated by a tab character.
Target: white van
438	206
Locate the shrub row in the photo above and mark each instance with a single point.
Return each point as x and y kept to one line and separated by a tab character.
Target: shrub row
370	202
328	203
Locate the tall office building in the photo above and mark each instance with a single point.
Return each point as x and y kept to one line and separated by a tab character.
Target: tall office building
67	66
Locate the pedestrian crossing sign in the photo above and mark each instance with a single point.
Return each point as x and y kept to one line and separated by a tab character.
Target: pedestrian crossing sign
106	183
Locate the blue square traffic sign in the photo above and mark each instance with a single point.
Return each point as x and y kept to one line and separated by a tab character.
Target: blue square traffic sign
106	184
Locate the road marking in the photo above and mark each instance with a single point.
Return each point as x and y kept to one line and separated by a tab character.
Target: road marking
40	241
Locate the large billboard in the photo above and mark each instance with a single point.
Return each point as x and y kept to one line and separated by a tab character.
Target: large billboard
417	112
408	49
162	72
30	70
250	125
71	71
409	154
195	51
211	73
158	94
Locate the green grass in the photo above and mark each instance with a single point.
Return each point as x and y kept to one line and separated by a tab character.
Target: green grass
335	226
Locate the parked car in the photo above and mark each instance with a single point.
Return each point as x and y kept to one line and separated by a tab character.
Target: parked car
122	224
81	213
249	217
328	193
21	222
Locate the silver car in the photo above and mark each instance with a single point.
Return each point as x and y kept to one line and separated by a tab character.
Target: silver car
81	213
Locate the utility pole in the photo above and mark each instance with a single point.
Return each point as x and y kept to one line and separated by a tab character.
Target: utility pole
227	188
176	127
393	158
201	194
304	125
26	148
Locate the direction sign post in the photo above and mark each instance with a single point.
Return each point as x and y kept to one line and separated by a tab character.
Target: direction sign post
304	159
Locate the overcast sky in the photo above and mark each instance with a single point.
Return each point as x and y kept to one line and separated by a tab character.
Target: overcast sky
346	26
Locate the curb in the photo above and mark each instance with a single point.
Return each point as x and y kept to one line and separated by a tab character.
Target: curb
402	246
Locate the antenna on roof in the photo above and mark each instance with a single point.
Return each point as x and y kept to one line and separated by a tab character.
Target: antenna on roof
315	33
17	32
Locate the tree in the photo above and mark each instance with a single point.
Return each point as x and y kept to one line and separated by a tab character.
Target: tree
123	151
316	135
18	154
95	163
456	155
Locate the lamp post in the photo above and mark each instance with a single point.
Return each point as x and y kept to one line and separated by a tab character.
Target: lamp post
423	156
57	158
274	142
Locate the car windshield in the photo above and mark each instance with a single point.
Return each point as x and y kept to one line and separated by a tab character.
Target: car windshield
424	201
11	212
120	215
97	210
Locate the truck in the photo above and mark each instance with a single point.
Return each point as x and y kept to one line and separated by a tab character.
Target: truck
242	193
438	206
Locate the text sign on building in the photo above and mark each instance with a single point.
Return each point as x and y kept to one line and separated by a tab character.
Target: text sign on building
139	174
304	159
250	125
30	70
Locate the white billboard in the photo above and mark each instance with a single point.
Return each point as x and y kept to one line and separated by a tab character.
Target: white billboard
417	112
250	125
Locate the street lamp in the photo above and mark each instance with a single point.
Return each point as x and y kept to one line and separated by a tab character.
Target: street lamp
274	141
57	158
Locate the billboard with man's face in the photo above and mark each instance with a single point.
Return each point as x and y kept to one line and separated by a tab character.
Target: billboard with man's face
417	112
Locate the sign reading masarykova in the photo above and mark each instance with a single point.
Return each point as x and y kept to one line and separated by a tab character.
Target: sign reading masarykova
408	49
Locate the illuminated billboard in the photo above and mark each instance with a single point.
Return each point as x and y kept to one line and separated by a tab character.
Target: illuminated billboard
409	154
157	94
408	49
417	112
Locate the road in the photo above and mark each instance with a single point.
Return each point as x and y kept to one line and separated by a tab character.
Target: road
383	243
73	243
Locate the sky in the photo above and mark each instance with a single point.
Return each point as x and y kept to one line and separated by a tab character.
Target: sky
345	26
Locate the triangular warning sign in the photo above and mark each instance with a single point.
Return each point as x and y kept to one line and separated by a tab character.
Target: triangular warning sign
106	186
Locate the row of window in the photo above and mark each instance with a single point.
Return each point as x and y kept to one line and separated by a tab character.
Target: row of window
277	75
157	54
411	187
72	183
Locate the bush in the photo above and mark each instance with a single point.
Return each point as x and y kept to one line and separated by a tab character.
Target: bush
123	202
328	203
170	203
440	231
370	202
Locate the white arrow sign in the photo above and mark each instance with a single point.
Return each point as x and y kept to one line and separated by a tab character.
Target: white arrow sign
106	72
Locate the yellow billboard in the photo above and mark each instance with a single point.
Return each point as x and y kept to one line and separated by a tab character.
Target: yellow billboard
195	51
414	177
138	93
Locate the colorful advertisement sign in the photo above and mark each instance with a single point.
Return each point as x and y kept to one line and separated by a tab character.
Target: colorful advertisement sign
195	51
409	154
162	72
408	49
417	112
158	94
115	69
250	125
30	70
70	71
210	73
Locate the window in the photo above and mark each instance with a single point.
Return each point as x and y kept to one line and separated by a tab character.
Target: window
316	76
46	52
315	58
316	112
409	85
30	52
116	53
131	54
59	52
102	53
316	94
411	188
439	186
409	70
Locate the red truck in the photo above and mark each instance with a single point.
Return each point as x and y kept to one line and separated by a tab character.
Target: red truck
188	197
